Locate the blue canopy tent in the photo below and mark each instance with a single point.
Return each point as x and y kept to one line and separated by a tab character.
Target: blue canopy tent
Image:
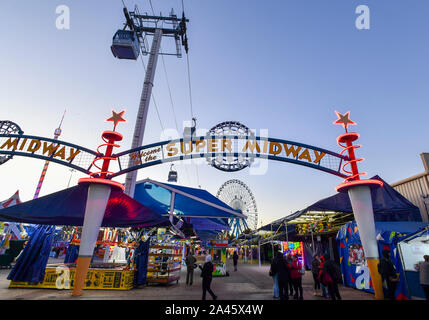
182	201
207	214
352	260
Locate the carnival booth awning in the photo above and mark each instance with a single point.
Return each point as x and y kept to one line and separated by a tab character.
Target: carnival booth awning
389	235
388	204
67	207
185	201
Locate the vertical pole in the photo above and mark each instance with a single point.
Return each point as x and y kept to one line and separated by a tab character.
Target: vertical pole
272	245
259	251
360	198
172	200
96	203
312	241
287	239
130	180
331	247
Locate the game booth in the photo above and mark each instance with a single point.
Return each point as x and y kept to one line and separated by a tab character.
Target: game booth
407	243
217	249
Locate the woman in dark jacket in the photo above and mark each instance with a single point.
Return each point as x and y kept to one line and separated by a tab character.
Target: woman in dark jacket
235	259
207	275
387	270
333	271
315	270
280	268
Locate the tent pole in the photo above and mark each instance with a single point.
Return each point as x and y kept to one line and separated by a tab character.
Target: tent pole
287	240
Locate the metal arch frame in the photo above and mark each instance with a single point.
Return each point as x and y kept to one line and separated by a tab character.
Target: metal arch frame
181	157
49	158
235	154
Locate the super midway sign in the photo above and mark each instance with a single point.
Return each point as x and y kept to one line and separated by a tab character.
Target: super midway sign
209	147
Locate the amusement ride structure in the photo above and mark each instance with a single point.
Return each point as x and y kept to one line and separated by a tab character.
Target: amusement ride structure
238	196
230	163
8	127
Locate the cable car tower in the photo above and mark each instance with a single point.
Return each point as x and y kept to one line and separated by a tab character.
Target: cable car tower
127	44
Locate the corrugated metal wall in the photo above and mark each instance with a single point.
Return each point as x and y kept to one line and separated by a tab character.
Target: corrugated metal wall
413	191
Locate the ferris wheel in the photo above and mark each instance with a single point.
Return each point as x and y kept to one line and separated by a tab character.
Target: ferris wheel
238	196
228	163
8	127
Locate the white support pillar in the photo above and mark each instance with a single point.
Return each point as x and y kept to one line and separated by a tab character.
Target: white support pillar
130	180
360	198
96	203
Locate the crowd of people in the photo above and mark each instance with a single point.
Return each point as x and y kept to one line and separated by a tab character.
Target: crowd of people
287	273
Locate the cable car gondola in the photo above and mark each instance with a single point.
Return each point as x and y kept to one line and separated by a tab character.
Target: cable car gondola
172	175
125	45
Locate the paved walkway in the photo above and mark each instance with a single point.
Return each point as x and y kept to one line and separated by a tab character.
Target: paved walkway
249	283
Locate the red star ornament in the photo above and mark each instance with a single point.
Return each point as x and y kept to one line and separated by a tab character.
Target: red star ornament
344	120
116	118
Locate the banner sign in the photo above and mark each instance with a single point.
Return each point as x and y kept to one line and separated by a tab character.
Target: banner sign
64	153
230	147
209	147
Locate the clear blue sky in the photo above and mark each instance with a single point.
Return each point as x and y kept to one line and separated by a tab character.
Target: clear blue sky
284	66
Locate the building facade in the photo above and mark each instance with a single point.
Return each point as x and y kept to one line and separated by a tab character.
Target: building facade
416	188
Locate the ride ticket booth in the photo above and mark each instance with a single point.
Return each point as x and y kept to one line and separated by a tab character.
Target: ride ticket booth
217	249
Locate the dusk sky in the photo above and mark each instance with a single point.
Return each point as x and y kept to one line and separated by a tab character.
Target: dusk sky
282	66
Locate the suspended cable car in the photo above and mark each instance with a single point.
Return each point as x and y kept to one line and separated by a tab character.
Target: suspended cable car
189	133
172	175
125	45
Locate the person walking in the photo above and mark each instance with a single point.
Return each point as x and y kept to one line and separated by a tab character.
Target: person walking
330	277
423	268
281	269
387	270
296	273
190	263
207	275
315	270
289	261
235	259
273	273
322	286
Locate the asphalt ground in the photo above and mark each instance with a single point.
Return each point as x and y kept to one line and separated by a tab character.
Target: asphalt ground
250	282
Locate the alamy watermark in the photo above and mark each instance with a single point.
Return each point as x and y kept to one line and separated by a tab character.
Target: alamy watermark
363	20
63	17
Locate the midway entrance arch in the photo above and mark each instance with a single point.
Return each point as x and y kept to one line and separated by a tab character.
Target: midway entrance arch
101	183
245	147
